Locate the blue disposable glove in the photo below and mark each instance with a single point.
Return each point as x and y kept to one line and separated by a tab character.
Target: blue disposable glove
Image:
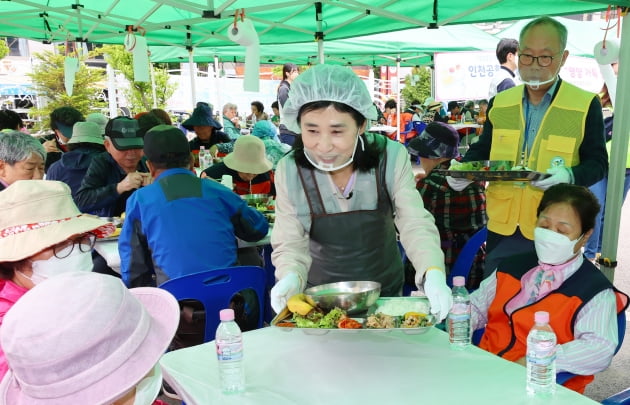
284	289
437	292
559	175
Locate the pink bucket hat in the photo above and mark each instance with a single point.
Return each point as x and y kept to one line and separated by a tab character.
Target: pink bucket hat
83	338
37	214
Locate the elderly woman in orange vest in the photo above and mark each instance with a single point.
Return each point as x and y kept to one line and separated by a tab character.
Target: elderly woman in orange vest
555	278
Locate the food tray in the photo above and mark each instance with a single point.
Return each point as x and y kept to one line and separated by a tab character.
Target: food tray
285	316
495	175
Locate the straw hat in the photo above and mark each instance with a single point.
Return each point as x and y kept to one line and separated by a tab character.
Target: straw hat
83	338
248	156
37	214
86	132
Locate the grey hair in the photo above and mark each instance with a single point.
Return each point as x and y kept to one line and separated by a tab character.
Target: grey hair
16	146
229	106
545	20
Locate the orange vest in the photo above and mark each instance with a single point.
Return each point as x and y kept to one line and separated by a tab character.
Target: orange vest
506	336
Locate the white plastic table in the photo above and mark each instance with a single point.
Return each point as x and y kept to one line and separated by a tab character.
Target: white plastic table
355	367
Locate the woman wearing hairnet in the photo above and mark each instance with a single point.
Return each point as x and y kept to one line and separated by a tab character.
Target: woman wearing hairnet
341	195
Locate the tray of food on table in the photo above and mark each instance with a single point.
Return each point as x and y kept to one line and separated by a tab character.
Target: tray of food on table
354	306
264	203
118	222
492	170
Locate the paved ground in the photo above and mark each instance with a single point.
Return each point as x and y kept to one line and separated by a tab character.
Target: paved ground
616	378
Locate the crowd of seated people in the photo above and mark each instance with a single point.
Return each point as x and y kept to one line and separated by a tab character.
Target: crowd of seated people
144	167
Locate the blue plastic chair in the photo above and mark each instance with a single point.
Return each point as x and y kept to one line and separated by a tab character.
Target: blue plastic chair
466	256
408	129
215	288
419	126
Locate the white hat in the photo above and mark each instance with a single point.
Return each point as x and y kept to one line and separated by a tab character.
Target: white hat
248	156
37	214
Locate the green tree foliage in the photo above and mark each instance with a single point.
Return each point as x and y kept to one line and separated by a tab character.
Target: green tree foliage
48	81
4	48
417	85
139	94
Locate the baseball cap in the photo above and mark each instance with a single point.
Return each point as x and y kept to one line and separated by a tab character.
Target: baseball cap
165	142
123	132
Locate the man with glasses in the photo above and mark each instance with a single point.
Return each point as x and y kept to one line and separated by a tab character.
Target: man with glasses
544	125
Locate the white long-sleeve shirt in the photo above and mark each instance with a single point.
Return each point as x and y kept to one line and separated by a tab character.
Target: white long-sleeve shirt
290	235
595	330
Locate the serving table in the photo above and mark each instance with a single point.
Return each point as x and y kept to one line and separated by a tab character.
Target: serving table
355	367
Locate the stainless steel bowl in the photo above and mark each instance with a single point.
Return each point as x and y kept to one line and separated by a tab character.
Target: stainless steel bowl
351	296
255	199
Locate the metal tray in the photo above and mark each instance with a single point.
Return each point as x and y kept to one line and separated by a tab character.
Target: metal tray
285	316
495	175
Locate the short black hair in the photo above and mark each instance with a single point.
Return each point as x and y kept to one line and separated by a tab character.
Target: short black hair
65	115
452	105
275	105
391	103
259	106
505	47
583	201
9	119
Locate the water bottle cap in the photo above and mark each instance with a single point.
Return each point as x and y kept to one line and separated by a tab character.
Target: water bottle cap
541	317
459	281
226	314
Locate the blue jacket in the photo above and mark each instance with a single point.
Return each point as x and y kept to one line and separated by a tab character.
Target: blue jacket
71	168
182	224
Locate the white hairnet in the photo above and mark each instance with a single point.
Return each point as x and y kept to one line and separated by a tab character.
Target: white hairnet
331	83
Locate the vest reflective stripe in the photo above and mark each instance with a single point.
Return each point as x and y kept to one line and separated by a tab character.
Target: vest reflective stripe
560	135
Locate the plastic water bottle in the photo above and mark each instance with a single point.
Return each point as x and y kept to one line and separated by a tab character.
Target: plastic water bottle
229	344
541	356
203	157
459	322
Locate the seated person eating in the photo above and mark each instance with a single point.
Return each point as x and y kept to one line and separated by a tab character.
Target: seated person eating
582	303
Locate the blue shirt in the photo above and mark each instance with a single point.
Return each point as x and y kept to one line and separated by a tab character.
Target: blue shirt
182	224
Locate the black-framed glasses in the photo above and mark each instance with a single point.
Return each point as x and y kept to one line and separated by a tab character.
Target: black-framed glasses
85	242
543	60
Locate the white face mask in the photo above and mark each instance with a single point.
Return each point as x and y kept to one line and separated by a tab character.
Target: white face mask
536	83
552	247
149	387
331	167
44	269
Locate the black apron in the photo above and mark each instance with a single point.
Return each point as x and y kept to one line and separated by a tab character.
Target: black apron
354	245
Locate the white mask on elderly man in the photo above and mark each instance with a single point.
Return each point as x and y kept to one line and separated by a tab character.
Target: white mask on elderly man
334	165
552	247
149	387
75	261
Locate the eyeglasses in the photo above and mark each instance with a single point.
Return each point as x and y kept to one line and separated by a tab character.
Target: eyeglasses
543	61
86	244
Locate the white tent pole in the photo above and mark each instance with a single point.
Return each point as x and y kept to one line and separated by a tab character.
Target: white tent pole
619	152
397	123
218	81
111	91
153	91
193	74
